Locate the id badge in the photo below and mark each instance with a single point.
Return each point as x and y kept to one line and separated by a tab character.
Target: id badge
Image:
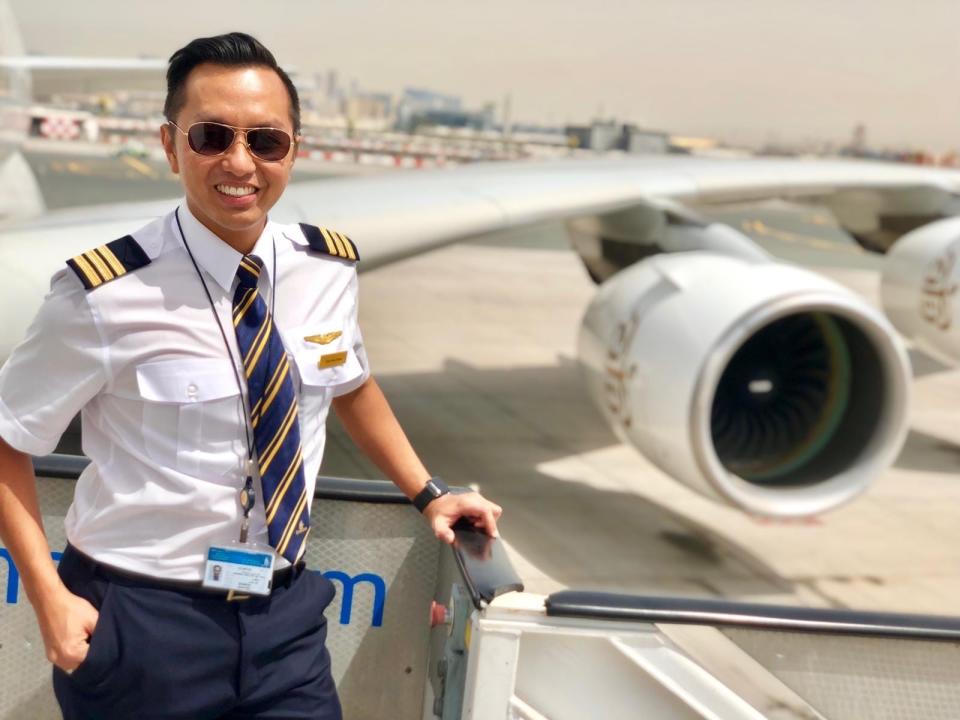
246	568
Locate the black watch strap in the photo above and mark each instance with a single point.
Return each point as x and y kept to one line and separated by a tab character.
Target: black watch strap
434	488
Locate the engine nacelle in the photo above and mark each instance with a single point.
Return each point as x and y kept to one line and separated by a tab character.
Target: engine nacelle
921	277
762	385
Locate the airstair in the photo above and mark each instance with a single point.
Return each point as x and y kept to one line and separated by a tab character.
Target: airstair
420	631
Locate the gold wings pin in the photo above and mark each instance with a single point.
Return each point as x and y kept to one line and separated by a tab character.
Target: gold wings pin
325	338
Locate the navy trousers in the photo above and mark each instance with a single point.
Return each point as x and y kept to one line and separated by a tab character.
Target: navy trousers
168	653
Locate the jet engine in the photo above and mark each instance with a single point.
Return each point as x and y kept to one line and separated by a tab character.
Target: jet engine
758	384
921	278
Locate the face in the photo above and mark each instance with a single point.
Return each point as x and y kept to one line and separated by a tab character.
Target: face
231	193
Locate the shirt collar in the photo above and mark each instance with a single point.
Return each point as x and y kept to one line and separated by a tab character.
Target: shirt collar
215	256
295	236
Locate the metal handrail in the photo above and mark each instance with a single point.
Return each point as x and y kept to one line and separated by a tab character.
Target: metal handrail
731	613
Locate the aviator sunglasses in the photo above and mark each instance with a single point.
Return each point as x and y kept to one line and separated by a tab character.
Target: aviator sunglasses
212	138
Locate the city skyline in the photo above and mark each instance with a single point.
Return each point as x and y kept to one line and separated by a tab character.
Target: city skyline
755	73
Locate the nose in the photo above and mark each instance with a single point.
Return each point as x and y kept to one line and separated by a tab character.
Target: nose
237	160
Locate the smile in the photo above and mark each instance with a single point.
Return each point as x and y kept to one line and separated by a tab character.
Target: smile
236	190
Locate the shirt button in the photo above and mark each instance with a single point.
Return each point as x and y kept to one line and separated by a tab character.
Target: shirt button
192	390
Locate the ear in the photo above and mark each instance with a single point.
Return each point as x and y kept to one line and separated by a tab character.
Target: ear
170	147
296	148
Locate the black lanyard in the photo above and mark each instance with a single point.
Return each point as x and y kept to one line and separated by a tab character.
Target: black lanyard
247	493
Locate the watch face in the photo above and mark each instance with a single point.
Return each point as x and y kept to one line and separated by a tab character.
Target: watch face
432	489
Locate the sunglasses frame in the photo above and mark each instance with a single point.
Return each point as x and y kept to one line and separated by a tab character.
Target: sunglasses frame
236	134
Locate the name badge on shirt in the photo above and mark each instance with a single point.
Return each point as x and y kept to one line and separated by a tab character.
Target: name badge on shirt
246	568
332	359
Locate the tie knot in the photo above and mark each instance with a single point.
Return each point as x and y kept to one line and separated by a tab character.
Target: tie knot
249	271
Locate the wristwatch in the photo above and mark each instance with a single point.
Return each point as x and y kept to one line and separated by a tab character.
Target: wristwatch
434	488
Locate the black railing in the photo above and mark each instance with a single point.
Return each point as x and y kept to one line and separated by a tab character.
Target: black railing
69	467
728	613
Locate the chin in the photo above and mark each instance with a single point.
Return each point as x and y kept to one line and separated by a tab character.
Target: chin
241	220
237	218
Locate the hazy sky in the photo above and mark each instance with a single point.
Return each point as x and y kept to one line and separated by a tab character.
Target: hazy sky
747	70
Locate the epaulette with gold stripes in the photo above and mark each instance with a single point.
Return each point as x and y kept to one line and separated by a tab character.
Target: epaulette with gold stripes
108	262
330	242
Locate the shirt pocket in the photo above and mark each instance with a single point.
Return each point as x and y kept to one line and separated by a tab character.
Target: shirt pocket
326	365
193	419
325	358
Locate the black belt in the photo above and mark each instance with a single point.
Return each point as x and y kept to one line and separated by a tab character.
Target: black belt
281	578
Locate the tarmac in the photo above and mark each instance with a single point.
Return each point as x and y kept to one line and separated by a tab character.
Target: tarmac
474	346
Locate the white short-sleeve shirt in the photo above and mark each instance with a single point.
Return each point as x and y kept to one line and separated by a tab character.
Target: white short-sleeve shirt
163	421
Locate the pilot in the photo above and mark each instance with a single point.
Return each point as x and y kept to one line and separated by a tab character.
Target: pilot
203	352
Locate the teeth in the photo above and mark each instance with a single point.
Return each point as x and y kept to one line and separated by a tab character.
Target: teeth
236	190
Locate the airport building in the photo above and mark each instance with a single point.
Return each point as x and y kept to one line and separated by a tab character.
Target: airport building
605	135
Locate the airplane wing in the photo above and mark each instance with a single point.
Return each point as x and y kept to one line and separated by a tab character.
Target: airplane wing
401	214
394	216
759	384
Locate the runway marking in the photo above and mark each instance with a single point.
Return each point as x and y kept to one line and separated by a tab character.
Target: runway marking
140	166
78	168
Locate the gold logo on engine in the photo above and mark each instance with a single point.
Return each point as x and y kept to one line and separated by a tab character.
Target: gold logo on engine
620	371
936	302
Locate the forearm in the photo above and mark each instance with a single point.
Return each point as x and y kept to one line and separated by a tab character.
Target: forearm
21	528
371	424
66	621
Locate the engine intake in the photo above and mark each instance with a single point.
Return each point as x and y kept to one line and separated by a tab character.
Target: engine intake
759	384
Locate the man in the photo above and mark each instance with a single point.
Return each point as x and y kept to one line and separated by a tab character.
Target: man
204	352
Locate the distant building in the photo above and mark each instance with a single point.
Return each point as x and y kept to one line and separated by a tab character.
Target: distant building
373	106
421	99
600	136
478	120
605	135
333	92
646	142
416	104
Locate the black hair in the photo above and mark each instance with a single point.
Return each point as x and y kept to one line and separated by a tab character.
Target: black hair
234	49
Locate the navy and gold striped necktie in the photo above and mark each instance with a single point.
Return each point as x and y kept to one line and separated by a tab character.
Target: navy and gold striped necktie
273	414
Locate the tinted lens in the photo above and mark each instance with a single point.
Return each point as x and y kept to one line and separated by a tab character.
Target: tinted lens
268	143
208	138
